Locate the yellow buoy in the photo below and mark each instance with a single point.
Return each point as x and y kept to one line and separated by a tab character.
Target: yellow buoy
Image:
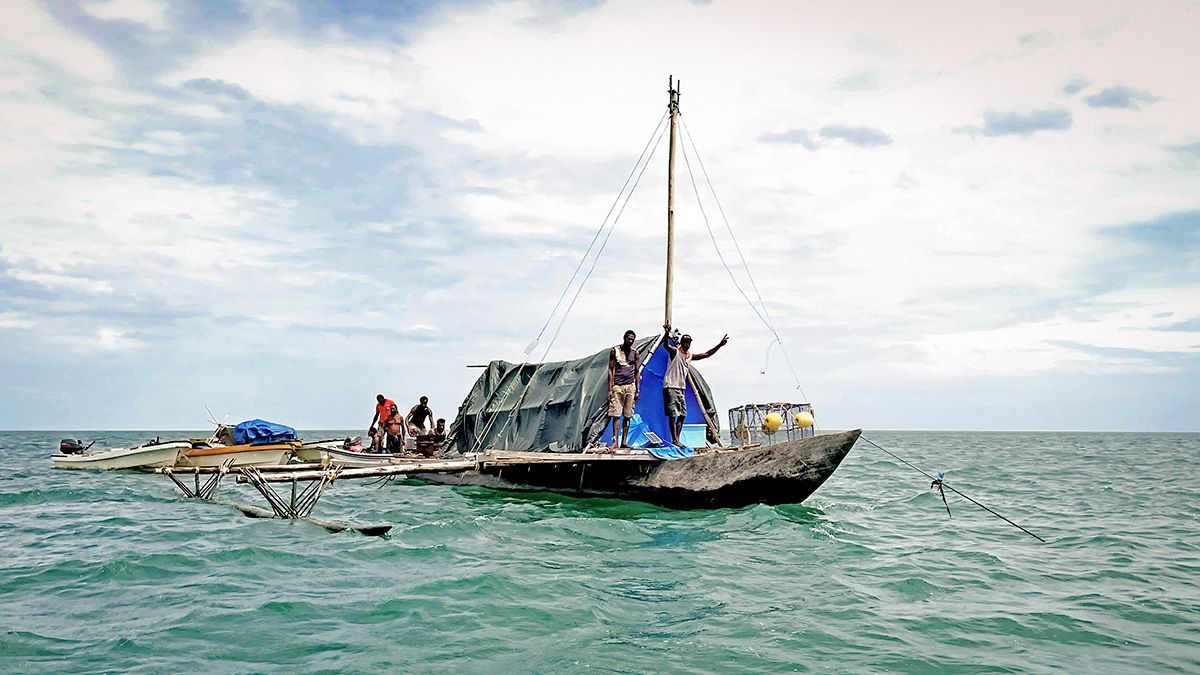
803	420
772	422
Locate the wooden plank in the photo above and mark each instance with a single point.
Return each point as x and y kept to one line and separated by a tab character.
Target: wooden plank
574	459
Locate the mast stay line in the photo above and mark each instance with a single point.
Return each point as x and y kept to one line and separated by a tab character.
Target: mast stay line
583	259
655	138
763	315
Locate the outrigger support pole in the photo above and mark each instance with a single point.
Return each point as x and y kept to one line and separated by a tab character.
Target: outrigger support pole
299	506
202	491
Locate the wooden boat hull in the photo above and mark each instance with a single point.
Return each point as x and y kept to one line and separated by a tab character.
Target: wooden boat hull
783	473
340	457
140	457
312	452
242	455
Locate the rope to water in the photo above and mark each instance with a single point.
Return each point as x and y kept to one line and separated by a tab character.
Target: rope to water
941	483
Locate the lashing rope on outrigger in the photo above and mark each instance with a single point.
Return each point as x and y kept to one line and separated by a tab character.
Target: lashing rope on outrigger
940	483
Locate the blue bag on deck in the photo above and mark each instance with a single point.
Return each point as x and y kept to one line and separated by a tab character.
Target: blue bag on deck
259	432
672	452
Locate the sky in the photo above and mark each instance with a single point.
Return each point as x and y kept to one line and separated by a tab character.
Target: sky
956	215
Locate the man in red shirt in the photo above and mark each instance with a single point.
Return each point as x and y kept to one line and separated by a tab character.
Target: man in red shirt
383	408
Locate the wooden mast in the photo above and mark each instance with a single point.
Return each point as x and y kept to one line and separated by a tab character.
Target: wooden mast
673	88
673	106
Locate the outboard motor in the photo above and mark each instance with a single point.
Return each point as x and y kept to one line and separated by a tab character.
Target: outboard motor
352	444
71	446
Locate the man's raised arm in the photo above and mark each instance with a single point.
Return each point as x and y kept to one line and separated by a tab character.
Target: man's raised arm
705	355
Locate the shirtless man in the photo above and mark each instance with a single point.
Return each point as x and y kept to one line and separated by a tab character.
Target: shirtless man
418	416
395	432
675	379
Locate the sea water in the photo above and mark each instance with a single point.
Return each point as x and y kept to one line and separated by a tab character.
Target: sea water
115	572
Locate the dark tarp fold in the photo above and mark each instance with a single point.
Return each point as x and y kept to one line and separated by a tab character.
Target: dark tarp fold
564	405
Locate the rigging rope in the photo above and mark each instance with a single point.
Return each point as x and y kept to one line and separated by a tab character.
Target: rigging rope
603	244
764	315
653	135
655	138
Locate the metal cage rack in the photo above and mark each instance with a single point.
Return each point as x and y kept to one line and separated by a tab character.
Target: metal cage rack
747	423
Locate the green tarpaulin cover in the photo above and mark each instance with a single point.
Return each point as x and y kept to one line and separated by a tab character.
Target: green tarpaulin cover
564	405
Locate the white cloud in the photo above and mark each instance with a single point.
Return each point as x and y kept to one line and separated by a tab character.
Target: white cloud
15	320
60	281
149	13
29	32
105	340
363	87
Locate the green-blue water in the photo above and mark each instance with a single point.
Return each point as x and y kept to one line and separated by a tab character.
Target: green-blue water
114	572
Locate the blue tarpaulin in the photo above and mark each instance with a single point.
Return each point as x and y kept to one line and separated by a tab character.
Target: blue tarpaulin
258	432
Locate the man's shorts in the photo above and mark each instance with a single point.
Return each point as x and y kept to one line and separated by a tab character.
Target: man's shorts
674	404
621	400
394	443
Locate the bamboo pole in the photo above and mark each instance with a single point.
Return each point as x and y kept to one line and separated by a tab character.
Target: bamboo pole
217	469
673	106
366	472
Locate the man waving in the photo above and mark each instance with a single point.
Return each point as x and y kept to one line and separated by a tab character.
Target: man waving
675	379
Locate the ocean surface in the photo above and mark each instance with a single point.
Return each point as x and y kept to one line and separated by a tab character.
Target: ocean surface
114	572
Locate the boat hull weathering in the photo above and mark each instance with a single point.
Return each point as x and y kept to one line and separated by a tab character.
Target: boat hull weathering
781	473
